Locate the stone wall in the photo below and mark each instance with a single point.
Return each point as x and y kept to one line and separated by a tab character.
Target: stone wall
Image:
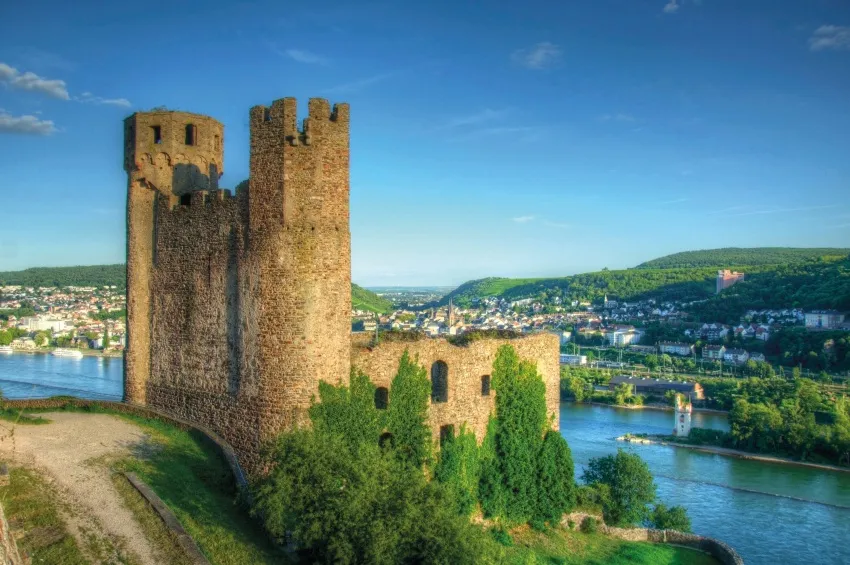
466	366
8	548
716	548
238	306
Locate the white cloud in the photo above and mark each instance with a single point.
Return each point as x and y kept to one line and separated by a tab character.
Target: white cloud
306	57
25	125
89	98
671	7
557	224
523	219
32	82
358	85
537	57
830	37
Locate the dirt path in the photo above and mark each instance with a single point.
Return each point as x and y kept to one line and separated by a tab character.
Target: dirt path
65	448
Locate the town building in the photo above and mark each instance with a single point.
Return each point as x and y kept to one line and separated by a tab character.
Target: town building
573	359
675	348
713	352
824	319
658	387
736	356
727	278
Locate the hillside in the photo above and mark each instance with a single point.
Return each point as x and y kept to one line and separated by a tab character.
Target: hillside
742	256
91	275
492	286
108	275
362	299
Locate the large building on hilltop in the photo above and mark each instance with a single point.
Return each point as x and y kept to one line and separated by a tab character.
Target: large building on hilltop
238	305
727	278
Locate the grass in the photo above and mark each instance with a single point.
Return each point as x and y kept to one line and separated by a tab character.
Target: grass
20	417
30	505
157	534
562	546
196	484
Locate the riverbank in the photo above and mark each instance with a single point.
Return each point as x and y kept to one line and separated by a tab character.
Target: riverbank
85	352
657	440
661	407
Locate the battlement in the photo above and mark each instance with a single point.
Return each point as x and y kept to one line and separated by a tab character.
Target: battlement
282	116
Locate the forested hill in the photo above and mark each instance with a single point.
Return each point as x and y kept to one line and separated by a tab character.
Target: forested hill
362	299
92	275
116	275
743	256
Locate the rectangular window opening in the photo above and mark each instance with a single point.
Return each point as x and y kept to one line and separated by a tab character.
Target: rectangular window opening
190	134
157	134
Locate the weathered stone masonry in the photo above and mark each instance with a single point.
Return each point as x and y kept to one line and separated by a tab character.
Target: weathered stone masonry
238	305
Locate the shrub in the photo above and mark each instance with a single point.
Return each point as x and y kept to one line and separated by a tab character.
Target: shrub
589	525
630	485
502	536
674	518
407	412
458	468
555	484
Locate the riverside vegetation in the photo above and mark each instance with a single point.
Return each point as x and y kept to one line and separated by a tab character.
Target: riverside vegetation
795	417
364	484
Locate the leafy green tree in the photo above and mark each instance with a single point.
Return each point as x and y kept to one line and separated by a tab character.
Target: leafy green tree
673	518
407	413
576	388
556	487
622	393
458	468
348	411
630	485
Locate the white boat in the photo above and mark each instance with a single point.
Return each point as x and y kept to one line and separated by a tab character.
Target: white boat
60	352
6	350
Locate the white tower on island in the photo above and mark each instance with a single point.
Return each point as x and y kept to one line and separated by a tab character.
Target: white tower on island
682	424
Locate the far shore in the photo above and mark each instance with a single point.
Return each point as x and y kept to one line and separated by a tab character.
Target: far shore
661	407
85	352
725	451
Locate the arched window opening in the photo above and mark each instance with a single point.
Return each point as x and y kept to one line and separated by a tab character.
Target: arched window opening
447	433
185	199
485	385
386	440
439	382
382	397
190	134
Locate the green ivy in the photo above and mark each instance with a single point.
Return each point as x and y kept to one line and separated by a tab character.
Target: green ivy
458	468
407	413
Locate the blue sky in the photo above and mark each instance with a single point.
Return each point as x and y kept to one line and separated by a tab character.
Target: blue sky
534	138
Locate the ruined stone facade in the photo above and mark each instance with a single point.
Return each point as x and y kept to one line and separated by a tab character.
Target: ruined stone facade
469	398
238	305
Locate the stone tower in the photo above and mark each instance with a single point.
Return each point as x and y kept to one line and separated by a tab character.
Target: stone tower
682	426
238	306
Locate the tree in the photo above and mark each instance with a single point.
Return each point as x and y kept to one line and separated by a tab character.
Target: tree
556	486
106	338
348	411
630	485
577	388
674	518
622	392
407	412
458	468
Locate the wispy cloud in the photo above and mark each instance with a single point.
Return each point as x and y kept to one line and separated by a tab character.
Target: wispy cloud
29	81
476	118
671	7
90	98
617	118
305	57
538	56
25	125
830	37
523	219
556	224
766	211
675	201
358	85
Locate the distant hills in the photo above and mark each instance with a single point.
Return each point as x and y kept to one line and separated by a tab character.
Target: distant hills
775	277
116	275
739	256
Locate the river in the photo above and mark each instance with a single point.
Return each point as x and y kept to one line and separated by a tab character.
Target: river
770	513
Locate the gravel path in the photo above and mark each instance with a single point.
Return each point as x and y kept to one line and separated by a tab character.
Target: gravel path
64	449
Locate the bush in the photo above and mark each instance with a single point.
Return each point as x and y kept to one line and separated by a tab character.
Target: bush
502	536
630	486
674	518
589	525
458	468
556	487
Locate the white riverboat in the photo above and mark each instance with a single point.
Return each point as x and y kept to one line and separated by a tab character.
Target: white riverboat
6	350
60	352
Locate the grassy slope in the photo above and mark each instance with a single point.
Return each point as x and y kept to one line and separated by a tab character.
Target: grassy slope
751	256
362	299
493	286
569	547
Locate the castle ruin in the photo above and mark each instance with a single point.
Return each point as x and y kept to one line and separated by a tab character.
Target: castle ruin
238	305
